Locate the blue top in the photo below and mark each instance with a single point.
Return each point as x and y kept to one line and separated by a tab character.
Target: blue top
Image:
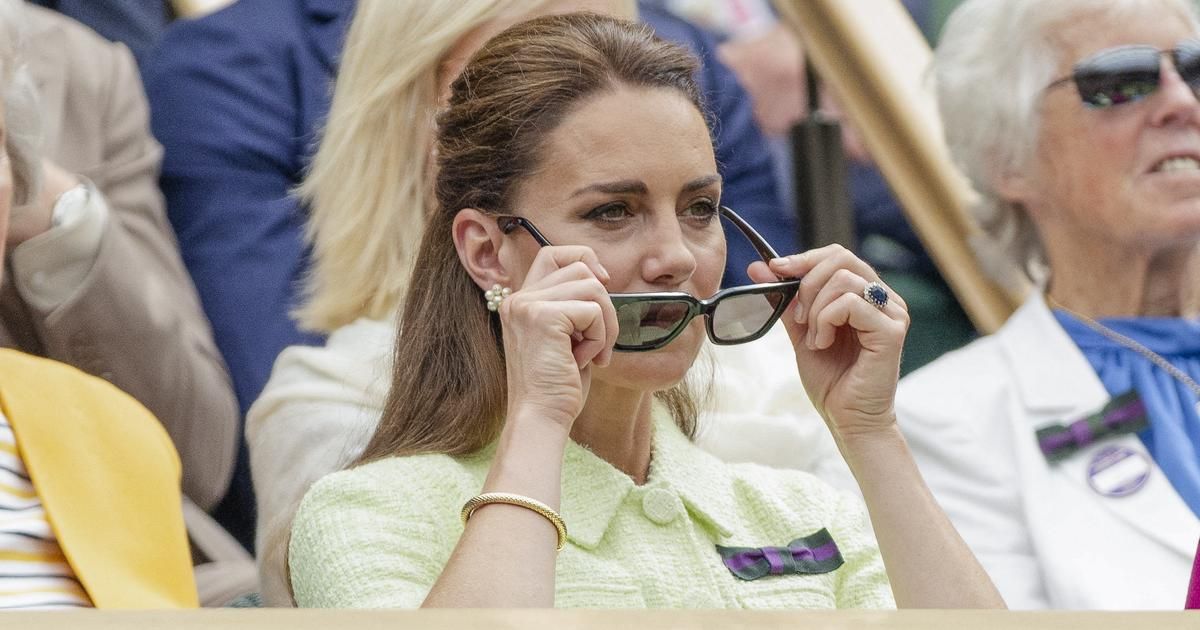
1173	437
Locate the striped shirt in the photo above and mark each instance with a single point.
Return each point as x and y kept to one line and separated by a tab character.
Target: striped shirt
33	571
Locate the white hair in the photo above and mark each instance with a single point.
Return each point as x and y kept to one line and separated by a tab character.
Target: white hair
992	63
22	116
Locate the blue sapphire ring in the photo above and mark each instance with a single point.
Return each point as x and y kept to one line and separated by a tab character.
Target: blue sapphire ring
875	295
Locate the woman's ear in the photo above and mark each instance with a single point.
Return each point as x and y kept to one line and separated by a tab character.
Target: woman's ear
1015	187
478	240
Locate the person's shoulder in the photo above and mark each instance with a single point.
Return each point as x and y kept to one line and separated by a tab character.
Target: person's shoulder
45	26
353	366
349	354
60	45
958	376
428	483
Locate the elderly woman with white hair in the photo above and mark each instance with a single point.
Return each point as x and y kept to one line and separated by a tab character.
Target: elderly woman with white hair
1066	447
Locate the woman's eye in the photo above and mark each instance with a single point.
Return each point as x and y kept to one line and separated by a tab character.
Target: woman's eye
704	210
608	212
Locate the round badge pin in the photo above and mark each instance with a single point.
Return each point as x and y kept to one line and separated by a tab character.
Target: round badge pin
1117	471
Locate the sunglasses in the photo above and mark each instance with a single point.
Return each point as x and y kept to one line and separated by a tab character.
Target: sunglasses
649	321
1130	73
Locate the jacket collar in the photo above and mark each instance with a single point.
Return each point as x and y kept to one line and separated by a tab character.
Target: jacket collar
595	490
1057	384
1051	373
327	24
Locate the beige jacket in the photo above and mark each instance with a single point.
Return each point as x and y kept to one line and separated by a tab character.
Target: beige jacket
133	318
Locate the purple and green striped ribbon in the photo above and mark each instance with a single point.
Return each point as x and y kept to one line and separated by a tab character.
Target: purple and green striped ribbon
1123	414
815	553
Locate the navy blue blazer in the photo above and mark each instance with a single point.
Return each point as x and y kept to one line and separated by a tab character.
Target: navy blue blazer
236	98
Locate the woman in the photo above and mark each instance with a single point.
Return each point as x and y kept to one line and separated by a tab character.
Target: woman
586	131
89	481
323	403
1087	172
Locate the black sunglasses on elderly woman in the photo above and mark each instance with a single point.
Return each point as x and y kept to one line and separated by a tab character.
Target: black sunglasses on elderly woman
1130	73
649	321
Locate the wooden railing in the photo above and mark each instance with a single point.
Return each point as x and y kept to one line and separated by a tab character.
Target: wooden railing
235	619
875	59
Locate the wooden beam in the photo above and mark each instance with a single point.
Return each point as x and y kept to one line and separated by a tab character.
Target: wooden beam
876	60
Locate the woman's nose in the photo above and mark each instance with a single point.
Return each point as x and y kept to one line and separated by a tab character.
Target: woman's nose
668	260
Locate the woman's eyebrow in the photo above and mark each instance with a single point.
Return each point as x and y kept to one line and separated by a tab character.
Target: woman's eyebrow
633	186
702	182
622	187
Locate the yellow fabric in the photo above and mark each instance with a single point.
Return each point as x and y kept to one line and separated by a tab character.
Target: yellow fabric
108	477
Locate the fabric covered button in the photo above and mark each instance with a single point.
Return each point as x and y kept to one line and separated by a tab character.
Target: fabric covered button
661	506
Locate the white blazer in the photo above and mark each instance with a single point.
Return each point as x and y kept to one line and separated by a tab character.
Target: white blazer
1046	538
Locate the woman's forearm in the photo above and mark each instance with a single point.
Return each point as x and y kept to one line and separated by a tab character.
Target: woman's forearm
927	561
505	557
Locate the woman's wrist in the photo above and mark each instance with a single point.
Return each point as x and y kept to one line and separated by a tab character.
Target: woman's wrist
866	443
529	455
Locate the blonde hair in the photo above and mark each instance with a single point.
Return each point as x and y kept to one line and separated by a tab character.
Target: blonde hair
369	185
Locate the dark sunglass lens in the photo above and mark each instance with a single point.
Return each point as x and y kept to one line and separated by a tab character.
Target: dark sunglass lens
740	317
1118	76
1187	62
645	323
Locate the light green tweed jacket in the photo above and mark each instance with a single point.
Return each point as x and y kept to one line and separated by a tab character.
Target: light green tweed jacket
379	535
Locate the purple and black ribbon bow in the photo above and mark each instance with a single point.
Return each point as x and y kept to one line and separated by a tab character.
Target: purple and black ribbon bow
815	553
1124	414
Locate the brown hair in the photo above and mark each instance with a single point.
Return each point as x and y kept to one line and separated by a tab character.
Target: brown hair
449	384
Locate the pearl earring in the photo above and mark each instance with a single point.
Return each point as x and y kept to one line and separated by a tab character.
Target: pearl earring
495	296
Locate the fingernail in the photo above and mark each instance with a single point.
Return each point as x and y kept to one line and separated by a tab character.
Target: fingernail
775	262
799	315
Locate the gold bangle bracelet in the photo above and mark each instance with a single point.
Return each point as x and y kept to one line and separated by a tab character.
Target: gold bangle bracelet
534	505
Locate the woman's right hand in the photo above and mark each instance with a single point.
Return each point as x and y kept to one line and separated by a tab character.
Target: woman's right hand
559	323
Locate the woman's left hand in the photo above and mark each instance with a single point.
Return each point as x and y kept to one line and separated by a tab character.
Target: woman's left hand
847	349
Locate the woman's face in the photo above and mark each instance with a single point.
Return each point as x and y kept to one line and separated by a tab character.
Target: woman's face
1099	173
631	174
